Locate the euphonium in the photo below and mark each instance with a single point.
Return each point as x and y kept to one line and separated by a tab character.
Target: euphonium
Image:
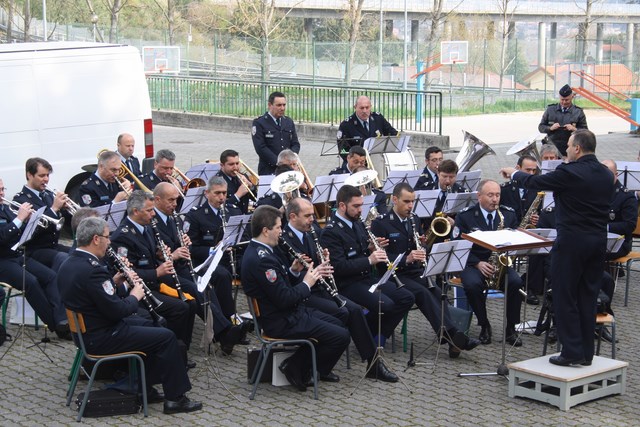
526	219
473	149
500	262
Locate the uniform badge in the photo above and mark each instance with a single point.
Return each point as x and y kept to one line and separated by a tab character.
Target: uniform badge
86	199
122	251
612	216
455	233
271	274
97	182
108	287
186	226
262	253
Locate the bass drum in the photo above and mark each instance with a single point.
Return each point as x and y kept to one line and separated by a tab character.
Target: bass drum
404	161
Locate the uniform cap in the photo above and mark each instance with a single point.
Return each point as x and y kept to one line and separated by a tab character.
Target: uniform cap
565	90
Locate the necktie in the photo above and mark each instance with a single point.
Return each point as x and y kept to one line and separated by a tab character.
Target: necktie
435	178
490	221
278	122
443	195
366	126
407	226
43	196
564	110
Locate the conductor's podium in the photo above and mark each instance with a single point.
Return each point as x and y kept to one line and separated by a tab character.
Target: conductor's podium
567	386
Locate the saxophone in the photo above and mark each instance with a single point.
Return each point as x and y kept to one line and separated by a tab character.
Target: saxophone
526	219
500	262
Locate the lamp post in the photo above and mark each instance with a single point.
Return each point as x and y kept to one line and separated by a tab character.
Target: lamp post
94	21
44	20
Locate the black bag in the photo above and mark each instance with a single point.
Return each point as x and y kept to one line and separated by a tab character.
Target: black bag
4	336
103	403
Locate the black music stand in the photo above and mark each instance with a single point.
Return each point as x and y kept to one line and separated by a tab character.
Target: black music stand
455	202
326	188
505	242
331	147
629	175
203	171
234	230
113	213
425	203
387	144
368	202
192	199
395	177
469	180
264	185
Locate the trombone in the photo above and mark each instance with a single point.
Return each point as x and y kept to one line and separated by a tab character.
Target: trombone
44	220
122	174
71	206
307	180
188	183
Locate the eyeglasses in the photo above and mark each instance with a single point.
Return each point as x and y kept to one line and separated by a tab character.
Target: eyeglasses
100	235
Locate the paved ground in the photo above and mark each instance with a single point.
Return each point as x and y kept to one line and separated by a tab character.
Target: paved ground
32	390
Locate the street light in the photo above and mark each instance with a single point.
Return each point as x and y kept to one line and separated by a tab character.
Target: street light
94	21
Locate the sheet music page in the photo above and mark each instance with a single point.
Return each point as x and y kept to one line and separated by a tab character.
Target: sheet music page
499	238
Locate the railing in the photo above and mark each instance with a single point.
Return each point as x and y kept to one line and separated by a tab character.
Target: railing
406	110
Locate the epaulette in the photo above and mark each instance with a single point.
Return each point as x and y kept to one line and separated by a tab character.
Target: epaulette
86	181
328	225
195	208
466	209
507	208
376	113
263	253
552	105
579	108
506	183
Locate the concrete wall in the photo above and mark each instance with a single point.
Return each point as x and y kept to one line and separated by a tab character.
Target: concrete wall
319	132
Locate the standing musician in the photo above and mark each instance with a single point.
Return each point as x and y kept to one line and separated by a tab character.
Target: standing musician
239	188
487	215
103	188
352	258
110	325
36	279
356	157
273	132
126	147
297	234
362	125
43	246
623	213
163	168
282	313
582	191
429	179
519	199
561	119
400	229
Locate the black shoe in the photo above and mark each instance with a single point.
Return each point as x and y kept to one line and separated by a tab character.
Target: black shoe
154	396
63	332
182	404
586	363
458	339
553	336
563	361
230	338
485	335
532	299
293	375
454	351
471	344
330	378
382	373
513	339
191	364
606	335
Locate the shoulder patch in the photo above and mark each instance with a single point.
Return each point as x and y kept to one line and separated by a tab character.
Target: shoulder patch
253	130
108	287
262	253
271	274
86	199
122	251
186	226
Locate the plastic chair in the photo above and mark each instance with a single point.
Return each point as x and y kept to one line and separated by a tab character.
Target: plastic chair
267	344
78	328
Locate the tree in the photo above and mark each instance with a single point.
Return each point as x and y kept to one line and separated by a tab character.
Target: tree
114	7
354	19
506	15
583	28
169	14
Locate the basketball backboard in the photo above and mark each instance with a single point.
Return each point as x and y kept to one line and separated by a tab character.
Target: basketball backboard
454	52
161	59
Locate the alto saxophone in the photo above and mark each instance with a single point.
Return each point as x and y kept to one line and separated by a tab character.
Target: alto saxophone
500	262
526	219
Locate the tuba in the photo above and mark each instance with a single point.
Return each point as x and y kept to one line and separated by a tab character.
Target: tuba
473	149
527	147
287	184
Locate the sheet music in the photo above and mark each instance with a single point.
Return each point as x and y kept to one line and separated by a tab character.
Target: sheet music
326	188
193	199
447	257
550	165
234	229
547	233
548	202
395	177
506	237
211	263
455	202
387	274
31	227
264	185
614	242
369	201
113	213
204	171
425	203
469	180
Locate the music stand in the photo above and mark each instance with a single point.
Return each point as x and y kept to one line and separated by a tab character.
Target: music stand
326	188
505	242
425	203
234	229
548	203
629	175
395	177
264	185
455	202
387	144
550	165
368	202
113	213
203	171
469	180
331	147
192	199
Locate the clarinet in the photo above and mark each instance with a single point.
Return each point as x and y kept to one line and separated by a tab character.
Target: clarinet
232	253
182	243
165	254
298	256
330	280
416	240
374	241
150	301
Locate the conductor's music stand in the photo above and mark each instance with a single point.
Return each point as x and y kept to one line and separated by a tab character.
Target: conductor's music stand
469	180
425	203
113	213
505	242
395	177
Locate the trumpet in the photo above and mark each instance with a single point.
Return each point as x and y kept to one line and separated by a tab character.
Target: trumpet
71	206
44	221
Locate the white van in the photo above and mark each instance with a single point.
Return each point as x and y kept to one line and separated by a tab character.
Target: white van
66	101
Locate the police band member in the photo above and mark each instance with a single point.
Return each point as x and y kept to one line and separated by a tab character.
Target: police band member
356	157
102	187
297	233
380	199
351	256
36	279
561	119
163	169
519	199
291	159
549	152
43	245
238	185
398	228
623	213
429	178
126	146
111	326
273	132
484	216
362	125
582	191
282	314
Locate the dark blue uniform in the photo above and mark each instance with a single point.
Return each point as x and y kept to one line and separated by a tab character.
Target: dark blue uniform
134	166
95	192
351	315
40	281
554	114
113	327
582	193
140	250
269	139
467	221
348	249
282	314
511	195
43	245
426	181
351	132
233	184
150	180
623	216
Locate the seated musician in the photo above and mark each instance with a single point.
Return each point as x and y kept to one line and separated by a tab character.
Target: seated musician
36	279
356	157
126	146
299	234
400	228
486	215
292	159
103	188
282	312
623	213
240	190
520	199
111	324
163	169
43	245
429	179
446	183
549	152
352	255
380	201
